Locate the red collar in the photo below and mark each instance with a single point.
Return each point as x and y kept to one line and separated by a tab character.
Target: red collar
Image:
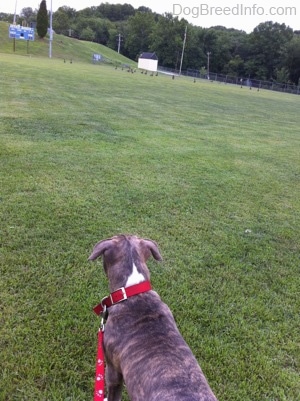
121	294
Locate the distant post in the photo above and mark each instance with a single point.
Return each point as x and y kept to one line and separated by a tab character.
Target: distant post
14	23
119	42
51	34
208	54
183	47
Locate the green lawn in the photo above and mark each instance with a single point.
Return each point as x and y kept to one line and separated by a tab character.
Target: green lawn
210	171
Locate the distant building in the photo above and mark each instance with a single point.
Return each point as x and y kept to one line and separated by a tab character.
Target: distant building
148	61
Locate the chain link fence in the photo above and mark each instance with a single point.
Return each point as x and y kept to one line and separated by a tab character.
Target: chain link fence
241	81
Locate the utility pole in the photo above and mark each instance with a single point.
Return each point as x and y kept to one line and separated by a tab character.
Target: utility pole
119	42
208	54
14	43
15	13
183	46
51	33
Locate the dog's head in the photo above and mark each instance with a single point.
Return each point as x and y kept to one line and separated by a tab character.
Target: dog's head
124	259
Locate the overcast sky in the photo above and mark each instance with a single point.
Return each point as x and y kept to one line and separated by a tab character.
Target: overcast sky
245	15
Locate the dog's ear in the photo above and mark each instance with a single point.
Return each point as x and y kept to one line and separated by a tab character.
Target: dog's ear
99	249
153	248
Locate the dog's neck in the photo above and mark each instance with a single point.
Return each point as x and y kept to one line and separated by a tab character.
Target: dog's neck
135	277
126	275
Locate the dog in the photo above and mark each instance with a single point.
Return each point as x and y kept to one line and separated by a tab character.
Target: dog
142	344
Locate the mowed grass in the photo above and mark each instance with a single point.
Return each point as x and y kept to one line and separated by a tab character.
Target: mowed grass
209	171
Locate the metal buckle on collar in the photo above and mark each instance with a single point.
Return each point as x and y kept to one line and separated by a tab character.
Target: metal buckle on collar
102	303
103	318
116	293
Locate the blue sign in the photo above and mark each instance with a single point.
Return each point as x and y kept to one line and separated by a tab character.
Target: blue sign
97	57
21	32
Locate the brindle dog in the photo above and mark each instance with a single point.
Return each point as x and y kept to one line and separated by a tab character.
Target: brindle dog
142	344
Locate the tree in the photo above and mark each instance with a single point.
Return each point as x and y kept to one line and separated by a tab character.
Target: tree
268	41
292	59
42	20
114	31
139	28
144	9
115	12
64	20
194	56
112	38
235	67
87	34
167	40
282	74
28	16
102	27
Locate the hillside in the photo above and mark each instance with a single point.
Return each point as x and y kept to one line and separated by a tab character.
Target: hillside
62	47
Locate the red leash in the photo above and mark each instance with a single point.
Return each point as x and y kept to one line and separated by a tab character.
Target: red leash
99	379
114	298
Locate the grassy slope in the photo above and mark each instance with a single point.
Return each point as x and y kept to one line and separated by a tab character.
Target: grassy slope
209	171
62	47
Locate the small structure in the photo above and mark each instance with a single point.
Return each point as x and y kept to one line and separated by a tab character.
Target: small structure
148	61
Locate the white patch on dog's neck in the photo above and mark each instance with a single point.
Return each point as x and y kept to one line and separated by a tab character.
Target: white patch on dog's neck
135	277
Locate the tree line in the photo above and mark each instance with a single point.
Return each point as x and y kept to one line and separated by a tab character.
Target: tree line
270	52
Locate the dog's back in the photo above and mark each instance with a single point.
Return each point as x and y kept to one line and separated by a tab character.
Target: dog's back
142	343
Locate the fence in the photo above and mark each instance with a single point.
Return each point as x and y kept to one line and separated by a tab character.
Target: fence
229	79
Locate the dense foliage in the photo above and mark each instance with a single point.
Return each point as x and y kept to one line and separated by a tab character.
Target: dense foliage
270	52
42	20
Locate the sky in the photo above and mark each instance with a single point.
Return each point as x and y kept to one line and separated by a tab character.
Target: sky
244	15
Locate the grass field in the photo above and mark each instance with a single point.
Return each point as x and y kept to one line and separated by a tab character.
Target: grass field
209	171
